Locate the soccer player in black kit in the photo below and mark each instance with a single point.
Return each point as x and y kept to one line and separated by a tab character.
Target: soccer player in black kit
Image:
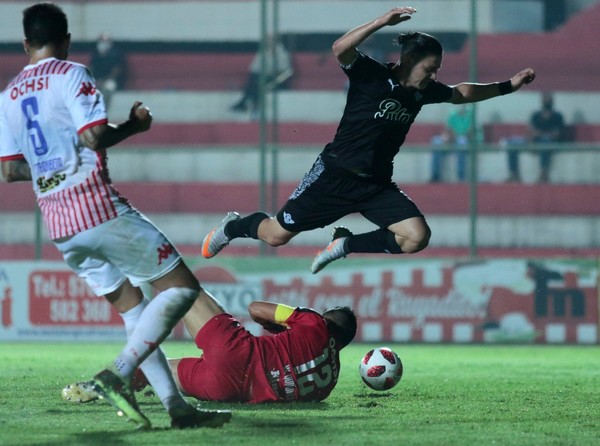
354	171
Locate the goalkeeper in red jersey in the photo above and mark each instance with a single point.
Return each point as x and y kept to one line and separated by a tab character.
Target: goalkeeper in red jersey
298	362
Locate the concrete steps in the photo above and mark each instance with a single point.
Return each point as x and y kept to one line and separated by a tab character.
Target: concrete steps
563	217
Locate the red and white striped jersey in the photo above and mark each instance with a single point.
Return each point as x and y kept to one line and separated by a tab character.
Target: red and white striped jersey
42	112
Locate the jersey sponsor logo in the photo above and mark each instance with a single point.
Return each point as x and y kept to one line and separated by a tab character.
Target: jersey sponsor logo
29	86
46	184
392	110
164	252
288	383
87	89
285	388
274	380
48	165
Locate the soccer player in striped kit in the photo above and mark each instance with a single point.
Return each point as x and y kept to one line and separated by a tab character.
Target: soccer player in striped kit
54	131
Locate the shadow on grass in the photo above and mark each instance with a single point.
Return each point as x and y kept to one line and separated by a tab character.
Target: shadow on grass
244	407
375	395
112	438
373	399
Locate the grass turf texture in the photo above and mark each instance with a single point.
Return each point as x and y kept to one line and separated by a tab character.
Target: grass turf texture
449	395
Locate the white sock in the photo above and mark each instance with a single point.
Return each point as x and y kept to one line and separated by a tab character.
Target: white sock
155	366
154	324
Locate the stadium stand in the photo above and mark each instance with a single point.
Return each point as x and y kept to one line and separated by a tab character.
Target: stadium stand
187	197
318	71
532	224
188	71
195	70
247	134
493	199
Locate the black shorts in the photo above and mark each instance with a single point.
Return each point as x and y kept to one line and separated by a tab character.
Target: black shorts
324	196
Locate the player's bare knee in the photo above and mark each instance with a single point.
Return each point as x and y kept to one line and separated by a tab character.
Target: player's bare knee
275	240
417	241
421	245
410	247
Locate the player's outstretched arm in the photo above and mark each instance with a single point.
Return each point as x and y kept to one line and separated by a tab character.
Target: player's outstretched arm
16	170
107	135
523	77
344	48
472	92
270	315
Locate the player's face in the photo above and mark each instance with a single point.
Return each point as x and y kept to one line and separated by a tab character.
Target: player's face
424	71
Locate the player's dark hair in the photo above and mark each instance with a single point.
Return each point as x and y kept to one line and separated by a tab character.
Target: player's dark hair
415	46
341	322
45	23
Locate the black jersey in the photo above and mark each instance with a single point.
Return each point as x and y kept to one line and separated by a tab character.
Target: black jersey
376	119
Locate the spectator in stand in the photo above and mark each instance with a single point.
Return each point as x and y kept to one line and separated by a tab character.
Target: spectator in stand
457	133
278	71
547	126
109	67
513	144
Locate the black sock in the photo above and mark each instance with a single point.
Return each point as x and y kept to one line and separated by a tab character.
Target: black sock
246	227
379	241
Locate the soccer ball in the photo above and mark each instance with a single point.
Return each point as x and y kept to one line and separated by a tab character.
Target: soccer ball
380	369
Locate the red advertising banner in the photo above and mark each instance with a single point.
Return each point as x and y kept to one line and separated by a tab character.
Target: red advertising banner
6	305
62	298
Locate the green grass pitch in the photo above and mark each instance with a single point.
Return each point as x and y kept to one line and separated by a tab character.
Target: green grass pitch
449	395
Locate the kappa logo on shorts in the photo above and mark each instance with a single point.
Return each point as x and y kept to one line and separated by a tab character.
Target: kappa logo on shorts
288	218
164	252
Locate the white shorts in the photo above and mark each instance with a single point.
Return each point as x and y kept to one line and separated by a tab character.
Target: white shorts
126	247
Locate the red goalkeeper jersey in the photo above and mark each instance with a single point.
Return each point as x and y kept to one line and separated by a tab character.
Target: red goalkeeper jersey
300	364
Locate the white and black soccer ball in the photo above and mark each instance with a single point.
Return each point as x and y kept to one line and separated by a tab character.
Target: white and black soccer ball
381	369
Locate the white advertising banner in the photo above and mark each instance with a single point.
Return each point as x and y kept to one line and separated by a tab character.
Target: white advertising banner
436	301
